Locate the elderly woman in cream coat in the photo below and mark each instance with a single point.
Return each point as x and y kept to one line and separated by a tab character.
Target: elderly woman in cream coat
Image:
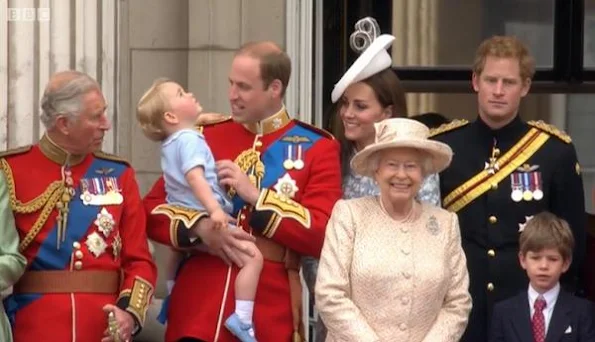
392	268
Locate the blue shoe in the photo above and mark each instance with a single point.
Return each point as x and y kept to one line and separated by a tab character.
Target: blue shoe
244	332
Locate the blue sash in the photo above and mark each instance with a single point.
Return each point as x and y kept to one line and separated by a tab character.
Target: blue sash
80	218
274	156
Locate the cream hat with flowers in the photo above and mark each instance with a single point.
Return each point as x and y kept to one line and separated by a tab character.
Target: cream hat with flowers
402	133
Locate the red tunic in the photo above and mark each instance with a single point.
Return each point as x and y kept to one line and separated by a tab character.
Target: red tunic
120	244
203	296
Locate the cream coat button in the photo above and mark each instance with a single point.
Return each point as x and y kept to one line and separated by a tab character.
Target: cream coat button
493	219
76	245
78	265
78	254
490	287
491	253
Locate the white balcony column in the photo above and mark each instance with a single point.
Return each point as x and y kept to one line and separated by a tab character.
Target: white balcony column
41	37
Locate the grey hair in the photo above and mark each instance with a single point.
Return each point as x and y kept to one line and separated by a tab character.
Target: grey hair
425	158
66	99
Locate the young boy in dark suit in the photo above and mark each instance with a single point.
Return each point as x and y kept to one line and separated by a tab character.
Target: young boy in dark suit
544	313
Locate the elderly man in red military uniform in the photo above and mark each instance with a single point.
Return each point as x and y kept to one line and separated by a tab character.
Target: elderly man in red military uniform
284	179
81	224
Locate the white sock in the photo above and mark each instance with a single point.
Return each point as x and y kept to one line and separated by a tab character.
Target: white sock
170	285
244	310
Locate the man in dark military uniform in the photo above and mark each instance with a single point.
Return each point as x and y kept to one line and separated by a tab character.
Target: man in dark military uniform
503	172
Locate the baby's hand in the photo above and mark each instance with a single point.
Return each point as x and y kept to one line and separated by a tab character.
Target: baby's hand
220	219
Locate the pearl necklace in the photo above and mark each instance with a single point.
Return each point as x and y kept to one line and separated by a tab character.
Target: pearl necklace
403	220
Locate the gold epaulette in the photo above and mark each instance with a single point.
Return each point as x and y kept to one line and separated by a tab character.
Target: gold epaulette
15	151
112	157
320	131
448	127
551	129
208	119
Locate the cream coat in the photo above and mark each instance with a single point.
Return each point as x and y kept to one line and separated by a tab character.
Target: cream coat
382	280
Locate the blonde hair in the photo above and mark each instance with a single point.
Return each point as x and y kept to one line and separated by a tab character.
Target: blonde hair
546	230
505	47
150	109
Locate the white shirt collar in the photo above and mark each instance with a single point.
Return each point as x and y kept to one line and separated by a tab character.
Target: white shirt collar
550	296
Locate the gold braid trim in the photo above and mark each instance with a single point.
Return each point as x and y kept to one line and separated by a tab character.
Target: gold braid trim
551	129
245	161
34	204
41	220
447	127
47	200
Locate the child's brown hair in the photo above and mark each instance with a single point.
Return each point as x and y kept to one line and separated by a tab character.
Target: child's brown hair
546	230
150	109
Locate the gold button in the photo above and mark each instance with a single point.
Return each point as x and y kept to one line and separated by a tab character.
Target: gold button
493	219
494	186
78	265
258	143
492	253
496	152
490	287
78	254
242	217
76	245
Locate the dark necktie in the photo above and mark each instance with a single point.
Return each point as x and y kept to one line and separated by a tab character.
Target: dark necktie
538	320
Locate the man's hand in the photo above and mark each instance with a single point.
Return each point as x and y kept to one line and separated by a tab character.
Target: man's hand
231	175
224	243
124	324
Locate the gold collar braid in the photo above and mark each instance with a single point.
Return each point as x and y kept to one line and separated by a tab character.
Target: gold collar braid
271	124
57	154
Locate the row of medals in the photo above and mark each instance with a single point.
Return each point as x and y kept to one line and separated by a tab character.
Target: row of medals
290	164
518	195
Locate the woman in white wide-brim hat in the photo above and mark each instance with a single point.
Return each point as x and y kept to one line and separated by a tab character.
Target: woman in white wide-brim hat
392	268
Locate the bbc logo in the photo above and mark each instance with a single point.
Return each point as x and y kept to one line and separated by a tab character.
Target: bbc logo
28	14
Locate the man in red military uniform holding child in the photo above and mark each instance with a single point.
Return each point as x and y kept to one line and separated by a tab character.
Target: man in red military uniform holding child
283	177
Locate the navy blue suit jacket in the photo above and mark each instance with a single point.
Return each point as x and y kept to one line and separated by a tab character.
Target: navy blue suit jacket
511	321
